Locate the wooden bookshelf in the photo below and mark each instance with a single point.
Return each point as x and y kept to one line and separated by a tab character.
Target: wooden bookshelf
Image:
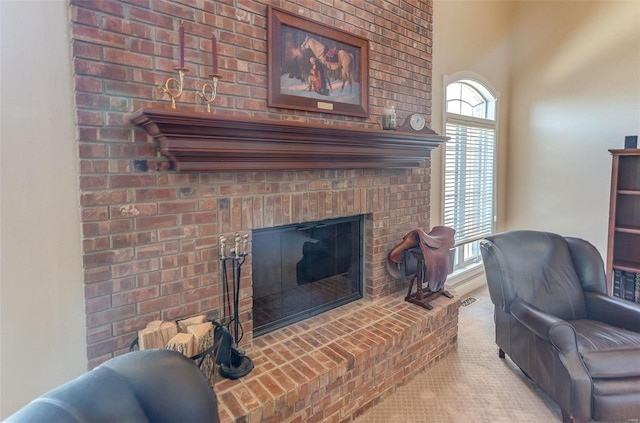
623	250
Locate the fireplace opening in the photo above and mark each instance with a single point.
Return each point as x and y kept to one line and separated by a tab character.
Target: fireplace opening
302	270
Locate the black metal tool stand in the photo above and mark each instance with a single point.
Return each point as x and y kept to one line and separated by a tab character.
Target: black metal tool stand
239	364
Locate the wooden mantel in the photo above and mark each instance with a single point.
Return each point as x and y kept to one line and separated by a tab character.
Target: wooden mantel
206	142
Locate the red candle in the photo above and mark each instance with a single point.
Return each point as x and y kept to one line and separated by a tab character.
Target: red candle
214	54
181	45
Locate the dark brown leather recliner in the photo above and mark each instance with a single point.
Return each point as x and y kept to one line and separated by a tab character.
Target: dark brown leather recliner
556	322
150	386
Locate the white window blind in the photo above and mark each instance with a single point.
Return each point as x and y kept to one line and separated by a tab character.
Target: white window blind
469	178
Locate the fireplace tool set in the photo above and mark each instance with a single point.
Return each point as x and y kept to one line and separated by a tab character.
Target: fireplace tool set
227	334
238	365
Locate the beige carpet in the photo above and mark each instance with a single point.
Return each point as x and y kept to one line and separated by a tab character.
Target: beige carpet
470	385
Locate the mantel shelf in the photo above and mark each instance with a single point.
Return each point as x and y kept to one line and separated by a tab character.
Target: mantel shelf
206	142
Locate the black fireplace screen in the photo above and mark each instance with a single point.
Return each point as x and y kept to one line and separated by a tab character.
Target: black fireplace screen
305	269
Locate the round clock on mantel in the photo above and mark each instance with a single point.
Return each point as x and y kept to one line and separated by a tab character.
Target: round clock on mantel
416	122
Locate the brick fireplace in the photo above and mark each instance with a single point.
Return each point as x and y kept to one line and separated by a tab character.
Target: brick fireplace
150	230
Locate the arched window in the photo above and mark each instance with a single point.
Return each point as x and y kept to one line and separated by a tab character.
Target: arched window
469	165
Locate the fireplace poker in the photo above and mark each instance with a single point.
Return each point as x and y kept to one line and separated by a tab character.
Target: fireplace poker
236	289
225	282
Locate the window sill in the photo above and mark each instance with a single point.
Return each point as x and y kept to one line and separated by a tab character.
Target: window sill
466	280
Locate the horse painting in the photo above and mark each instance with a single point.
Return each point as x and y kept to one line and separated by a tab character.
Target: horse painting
344	63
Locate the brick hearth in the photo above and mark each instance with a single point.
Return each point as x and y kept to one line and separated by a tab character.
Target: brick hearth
334	366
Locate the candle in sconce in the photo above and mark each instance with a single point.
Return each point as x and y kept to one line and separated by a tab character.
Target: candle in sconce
181	31
214	53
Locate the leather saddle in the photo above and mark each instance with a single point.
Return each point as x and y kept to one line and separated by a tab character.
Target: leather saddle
431	250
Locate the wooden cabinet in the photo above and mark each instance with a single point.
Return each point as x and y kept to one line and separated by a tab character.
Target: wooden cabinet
623	251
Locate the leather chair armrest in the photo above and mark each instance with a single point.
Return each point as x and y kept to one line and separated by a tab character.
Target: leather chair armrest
534	319
562	336
546	326
613	311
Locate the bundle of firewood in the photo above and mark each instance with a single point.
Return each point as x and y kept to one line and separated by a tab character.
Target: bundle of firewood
188	336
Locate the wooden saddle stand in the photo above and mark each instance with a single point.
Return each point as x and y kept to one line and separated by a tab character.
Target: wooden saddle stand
430	265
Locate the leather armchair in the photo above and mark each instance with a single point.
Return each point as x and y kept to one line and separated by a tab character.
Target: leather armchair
158	386
556	322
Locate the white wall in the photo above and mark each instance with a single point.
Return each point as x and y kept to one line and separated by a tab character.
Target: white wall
576	93
42	330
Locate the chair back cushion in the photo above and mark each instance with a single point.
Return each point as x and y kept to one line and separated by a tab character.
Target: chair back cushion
536	267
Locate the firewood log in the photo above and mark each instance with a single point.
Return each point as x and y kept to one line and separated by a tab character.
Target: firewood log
183	343
149	338
167	331
203	339
185	323
155	324
203	336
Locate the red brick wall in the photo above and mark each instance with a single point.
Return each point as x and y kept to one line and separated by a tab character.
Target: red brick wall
150	235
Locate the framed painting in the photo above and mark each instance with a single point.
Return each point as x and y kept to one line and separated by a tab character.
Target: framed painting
314	67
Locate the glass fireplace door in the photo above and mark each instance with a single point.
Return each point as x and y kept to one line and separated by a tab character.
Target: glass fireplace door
305	269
